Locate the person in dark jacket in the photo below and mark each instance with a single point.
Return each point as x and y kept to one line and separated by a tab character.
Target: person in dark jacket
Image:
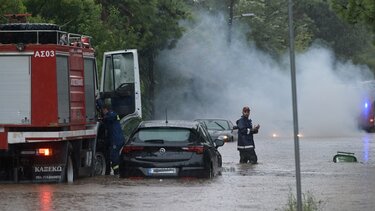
115	136
245	144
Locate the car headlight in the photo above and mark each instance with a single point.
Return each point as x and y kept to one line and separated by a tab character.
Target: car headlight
224	137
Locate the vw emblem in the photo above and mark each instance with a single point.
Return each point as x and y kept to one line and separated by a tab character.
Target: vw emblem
162	150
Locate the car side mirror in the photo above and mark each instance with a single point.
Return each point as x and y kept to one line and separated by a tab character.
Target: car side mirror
219	142
235	127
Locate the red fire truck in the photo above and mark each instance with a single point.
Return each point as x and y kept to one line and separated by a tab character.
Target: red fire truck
49	129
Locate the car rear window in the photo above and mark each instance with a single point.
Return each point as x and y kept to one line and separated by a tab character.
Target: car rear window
163	134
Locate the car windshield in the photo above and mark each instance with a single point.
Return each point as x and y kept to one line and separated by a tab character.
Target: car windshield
217	124
161	135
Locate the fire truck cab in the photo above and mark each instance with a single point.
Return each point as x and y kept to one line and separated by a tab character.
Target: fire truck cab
49	128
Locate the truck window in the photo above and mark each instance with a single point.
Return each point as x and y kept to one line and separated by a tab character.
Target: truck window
123	68
108	77
121	82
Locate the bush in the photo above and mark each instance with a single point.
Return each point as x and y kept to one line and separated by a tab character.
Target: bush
309	203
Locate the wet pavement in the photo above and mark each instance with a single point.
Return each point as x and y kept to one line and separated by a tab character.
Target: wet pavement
265	186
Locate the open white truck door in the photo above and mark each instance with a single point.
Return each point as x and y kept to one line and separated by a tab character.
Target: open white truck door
120	88
120	83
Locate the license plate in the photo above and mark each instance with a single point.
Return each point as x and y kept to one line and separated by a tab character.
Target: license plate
162	171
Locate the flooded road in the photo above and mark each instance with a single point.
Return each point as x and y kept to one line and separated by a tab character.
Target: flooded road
265	186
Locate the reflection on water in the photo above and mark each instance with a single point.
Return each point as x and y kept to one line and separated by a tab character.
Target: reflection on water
366	148
45	197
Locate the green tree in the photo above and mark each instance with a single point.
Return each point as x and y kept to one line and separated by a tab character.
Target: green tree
147	25
346	40
314	21
72	15
349	41
269	27
11	7
215	6
356	11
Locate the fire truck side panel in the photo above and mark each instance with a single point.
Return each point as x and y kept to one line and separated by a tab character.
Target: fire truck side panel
15	89
44	88
62	89
77	94
90	81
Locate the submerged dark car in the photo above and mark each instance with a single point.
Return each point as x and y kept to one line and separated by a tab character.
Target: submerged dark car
221	128
171	149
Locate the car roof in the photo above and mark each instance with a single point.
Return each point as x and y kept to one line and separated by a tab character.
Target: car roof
170	123
212	119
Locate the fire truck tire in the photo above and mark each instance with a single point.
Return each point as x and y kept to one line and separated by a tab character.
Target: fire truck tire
69	170
100	164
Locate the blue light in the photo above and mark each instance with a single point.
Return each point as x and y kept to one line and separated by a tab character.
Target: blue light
366	109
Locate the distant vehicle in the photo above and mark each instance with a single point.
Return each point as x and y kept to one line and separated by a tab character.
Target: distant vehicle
220	128
366	119
170	149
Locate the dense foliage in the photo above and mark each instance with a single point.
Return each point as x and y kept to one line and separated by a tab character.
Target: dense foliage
362	13
356	11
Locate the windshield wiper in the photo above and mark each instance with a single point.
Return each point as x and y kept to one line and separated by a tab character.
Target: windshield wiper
159	141
223	128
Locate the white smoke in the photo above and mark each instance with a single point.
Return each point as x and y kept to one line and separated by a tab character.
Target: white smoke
204	77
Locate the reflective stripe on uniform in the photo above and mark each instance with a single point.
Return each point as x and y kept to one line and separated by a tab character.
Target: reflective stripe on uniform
245	147
115	167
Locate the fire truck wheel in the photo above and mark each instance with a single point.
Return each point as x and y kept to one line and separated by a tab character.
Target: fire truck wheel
100	164
69	170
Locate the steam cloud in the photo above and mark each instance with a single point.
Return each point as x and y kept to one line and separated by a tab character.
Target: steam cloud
204	77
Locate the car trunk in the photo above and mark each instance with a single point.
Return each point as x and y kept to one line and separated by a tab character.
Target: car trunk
163	153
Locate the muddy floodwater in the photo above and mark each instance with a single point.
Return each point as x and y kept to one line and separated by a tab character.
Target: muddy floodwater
265	186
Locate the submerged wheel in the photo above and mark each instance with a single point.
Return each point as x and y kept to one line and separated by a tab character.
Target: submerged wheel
100	164
210	173
69	173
